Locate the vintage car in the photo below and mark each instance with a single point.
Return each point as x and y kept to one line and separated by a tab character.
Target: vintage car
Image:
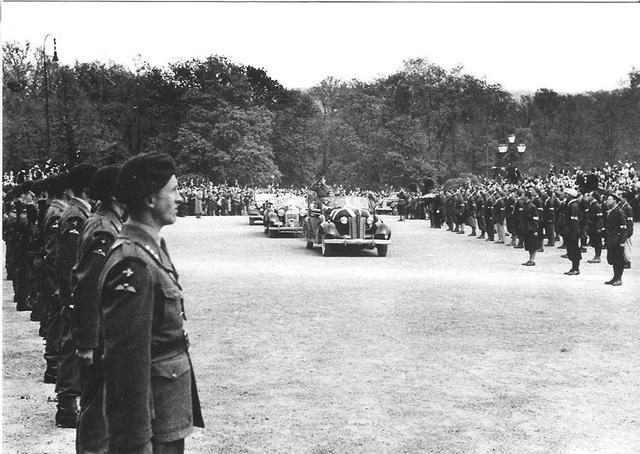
388	205
257	206
284	214
345	221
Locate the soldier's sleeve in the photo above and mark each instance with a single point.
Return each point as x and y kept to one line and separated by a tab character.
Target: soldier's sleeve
87	313
50	254
127	303
69	235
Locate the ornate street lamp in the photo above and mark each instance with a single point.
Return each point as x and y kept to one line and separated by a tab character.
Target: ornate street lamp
510	152
46	88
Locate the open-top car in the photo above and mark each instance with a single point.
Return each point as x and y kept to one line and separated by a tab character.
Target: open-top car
345	221
285	214
258	205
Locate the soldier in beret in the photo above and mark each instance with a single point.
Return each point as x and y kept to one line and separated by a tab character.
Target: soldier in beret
151	401
616	237
96	238
51	324
71	224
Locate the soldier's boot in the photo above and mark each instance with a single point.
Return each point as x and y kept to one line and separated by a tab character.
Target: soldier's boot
51	372
596	259
67	414
473	232
481	237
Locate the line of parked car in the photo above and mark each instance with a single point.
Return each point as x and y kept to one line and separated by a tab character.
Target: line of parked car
333	222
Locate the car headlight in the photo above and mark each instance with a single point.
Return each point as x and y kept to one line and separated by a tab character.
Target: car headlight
370	220
280	212
344	220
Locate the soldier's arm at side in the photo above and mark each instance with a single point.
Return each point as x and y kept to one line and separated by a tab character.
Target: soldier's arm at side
87	313
127	302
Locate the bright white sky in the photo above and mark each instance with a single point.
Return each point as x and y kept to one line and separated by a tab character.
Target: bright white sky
565	47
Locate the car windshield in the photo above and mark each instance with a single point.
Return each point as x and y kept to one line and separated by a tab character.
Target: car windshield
291	200
347	201
262	197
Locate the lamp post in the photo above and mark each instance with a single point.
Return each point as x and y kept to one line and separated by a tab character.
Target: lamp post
511	153
46	88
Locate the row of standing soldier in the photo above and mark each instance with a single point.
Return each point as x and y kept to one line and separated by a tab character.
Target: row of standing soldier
530	215
65	240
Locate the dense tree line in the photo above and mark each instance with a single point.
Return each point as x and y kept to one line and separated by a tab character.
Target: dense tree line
231	122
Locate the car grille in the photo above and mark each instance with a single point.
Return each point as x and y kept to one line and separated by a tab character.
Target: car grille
355	228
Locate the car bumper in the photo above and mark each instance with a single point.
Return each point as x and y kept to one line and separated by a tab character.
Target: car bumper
255	218
285	228
356	241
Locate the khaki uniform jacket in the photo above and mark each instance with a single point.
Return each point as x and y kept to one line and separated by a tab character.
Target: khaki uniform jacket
51	241
99	233
143	333
71	224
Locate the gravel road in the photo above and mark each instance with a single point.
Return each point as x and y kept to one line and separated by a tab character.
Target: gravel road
447	345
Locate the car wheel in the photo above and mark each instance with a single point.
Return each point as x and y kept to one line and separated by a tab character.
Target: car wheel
382	249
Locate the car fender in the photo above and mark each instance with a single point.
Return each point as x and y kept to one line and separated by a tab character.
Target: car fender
383	229
329	229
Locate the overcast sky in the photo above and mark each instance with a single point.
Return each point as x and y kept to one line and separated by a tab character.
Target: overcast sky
565	47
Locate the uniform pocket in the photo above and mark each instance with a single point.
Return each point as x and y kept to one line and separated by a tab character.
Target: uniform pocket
171	368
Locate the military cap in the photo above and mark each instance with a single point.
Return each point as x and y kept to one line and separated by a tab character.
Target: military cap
615	195
103	185
142	175
80	176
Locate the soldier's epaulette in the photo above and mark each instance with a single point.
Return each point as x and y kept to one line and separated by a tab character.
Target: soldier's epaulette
129	250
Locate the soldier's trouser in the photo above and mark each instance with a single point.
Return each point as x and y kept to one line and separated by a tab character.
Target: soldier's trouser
573	251
172	447
91	436
53	335
551	233
21	280
68	383
500	228
490	228
10	260
481	224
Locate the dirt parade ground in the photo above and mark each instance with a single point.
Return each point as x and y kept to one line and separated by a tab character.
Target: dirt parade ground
447	345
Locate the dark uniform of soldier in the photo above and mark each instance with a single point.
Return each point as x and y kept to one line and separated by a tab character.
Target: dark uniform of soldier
489	217
481	209
51	324
616	234
25	237
71	224
9	221
572	230
539	203
520	220
628	213
510	214
595	226
37	293
98	234
530	228
438	206
151	401
550	207
583	204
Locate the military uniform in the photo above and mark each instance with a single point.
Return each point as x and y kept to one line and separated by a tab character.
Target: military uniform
99	233
616	235
68	384
573	234
150	389
595	228
51	325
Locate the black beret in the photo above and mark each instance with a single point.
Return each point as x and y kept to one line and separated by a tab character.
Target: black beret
80	176
103	185
26	187
38	186
142	175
